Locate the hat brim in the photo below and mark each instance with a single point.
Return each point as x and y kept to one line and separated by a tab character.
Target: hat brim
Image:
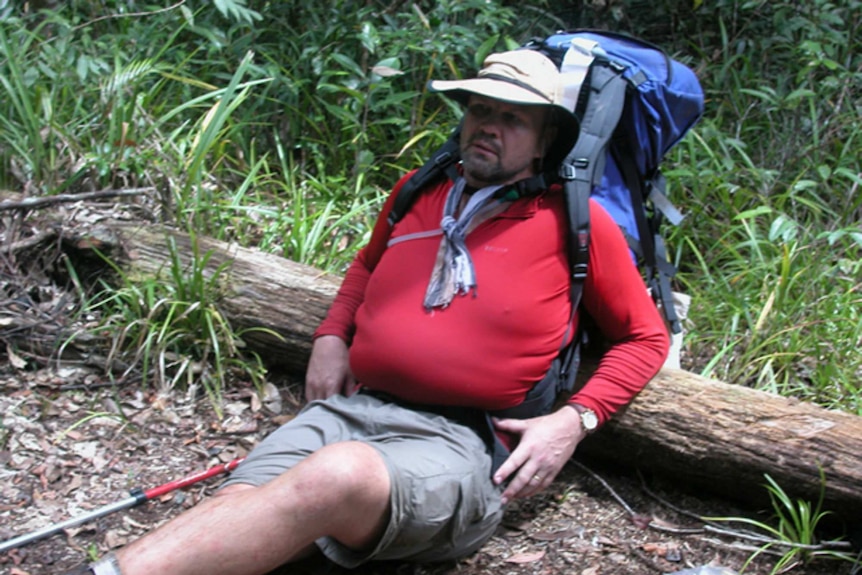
460	90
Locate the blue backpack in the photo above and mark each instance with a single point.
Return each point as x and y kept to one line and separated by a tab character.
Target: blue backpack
634	103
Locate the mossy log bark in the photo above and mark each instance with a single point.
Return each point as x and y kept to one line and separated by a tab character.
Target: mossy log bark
704	433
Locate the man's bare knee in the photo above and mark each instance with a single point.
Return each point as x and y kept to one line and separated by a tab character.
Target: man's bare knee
351	468
347	484
361	475
235	488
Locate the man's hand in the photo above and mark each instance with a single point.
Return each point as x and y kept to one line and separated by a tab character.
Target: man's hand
546	443
328	370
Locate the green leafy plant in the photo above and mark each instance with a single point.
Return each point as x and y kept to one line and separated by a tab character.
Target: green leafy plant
767	179
793	535
172	330
194	198
27	111
237	10
93	553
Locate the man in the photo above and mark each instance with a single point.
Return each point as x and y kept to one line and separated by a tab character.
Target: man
455	312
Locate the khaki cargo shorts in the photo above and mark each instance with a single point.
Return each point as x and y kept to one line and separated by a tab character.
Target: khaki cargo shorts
444	504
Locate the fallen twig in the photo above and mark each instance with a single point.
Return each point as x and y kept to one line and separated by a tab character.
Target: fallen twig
30	242
130	15
643	558
666	503
712	527
613	493
41	201
708	526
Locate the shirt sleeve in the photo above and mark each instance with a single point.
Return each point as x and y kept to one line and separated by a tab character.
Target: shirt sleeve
340	319
616	297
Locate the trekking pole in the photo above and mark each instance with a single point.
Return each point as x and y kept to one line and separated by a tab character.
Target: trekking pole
137	496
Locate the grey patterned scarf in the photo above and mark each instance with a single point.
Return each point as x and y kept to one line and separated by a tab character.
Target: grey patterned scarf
453	272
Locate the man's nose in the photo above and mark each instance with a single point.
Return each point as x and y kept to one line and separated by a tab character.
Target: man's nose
491	122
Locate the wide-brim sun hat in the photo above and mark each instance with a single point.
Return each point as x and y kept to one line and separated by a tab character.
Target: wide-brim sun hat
518	77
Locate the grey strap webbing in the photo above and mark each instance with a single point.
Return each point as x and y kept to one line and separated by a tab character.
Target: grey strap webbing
651	245
584	165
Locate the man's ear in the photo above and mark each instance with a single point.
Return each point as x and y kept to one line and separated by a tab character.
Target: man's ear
546	139
549	132
550	137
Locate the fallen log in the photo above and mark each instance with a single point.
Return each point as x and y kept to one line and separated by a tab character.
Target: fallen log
704	433
724	438
278	302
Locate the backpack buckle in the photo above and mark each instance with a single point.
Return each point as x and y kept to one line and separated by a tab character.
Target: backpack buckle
579	272
443	159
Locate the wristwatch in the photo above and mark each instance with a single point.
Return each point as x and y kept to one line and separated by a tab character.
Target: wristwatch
589	419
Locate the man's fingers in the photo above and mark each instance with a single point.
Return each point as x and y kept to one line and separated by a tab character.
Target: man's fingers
518	426
321	390
513	490
524	473
536	483
508	467
545	444
527	482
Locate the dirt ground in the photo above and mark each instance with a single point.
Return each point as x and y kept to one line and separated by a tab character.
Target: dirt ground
70	444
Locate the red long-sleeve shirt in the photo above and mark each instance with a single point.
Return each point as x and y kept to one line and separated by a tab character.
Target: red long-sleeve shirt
487	350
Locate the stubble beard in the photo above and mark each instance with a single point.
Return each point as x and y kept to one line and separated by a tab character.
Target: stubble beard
486	172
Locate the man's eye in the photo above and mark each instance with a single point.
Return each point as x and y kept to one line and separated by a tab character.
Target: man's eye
511	118
479	110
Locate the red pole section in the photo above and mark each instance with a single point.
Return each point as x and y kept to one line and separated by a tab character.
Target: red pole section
137	497
154	492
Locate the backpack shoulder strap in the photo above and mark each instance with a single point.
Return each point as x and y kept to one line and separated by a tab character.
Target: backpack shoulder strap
581	171
582	168
443	161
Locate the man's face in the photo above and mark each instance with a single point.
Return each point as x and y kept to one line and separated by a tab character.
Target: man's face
500	142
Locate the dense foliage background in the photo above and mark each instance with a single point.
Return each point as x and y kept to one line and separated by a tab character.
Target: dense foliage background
283	124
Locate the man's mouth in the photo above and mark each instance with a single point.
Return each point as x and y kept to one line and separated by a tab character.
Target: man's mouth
484	147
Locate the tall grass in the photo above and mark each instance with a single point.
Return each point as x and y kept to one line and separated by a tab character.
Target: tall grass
170	328
30	129
771	251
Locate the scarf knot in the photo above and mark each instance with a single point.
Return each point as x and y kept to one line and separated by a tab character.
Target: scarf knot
449	226
454	273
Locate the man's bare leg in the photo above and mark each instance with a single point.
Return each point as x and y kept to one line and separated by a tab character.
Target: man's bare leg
342	491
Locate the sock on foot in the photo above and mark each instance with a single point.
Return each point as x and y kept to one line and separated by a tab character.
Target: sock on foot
107	565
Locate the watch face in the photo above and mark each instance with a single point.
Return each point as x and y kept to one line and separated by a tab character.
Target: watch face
589	420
